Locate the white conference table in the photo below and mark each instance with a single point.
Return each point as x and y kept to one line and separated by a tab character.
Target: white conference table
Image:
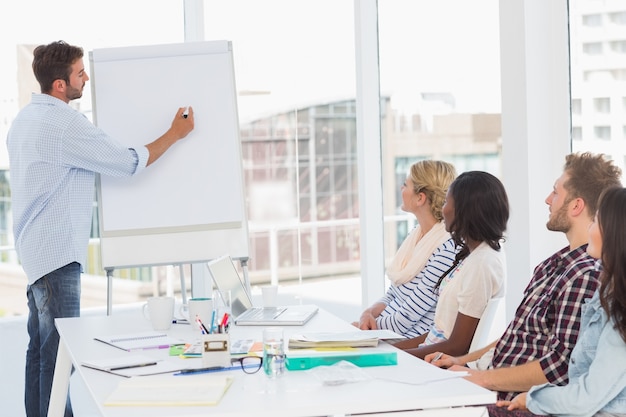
294	394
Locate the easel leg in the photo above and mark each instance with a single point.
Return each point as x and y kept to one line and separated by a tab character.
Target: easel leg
109	272
246	278
183	289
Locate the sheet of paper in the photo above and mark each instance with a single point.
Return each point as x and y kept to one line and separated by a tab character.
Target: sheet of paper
241	346
206	389
140	340
134	365
384	334
162	367
380	334
424	376
333	336
124	361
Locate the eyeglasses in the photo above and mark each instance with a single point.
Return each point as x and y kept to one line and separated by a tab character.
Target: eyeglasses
249	364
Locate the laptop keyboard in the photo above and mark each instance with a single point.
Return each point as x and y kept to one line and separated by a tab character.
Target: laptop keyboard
267	313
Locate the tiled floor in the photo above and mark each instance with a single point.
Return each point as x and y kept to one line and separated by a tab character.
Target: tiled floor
340	296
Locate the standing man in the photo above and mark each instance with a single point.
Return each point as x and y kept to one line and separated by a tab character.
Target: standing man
54	155
536	346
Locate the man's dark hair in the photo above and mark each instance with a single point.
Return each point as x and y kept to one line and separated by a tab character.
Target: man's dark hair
54	62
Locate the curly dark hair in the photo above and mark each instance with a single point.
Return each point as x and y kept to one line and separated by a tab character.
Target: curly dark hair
481	208
481	212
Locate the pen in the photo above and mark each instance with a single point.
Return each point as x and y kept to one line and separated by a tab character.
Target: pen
201	325
186	113
212	321
133	366
204	370
211	369
156	347
180	321
224	320
437	357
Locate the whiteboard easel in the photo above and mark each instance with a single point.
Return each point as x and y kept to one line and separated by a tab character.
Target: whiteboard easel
188	207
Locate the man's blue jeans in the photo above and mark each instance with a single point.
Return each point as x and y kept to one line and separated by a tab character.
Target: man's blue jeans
54	295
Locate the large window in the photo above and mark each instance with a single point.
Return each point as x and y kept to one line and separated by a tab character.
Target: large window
597	46
295	75
440	69
294	68
98	24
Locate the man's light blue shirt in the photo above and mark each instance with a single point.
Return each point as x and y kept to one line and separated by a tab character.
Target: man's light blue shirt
54	154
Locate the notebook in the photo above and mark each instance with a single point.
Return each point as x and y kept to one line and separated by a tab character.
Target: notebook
226	278
133	365
140	340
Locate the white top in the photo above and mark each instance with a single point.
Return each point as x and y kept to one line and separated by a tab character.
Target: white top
480	277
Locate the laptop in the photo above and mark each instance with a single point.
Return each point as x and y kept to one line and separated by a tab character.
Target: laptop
226	277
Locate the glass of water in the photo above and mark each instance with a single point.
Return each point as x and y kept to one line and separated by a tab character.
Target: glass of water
273	351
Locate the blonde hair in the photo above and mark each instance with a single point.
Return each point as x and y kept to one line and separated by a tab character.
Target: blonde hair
433	179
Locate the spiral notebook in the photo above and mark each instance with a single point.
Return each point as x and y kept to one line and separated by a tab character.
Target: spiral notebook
133	364
138	341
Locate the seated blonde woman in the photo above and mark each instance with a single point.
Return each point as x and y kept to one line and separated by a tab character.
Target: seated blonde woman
408	307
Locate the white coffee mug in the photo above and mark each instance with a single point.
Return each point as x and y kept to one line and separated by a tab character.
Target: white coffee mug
160	312
270	295
201	308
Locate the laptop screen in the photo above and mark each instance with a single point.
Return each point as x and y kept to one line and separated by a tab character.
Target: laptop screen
226	278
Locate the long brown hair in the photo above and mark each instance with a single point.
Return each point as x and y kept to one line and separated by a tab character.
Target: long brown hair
611	217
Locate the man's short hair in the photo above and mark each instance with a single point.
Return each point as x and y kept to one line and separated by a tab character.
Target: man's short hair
589	175
54	62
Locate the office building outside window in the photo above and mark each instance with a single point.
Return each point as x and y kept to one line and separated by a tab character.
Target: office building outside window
598	91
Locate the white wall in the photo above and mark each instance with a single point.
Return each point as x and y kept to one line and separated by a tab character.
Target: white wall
535	129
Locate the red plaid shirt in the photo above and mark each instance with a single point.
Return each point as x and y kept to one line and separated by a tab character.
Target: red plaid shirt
546	323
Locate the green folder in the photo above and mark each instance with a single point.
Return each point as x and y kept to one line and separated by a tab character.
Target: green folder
307	359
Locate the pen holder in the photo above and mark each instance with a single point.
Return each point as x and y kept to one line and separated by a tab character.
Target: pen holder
216	350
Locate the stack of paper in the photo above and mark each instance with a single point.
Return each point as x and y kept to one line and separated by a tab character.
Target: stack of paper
357	338
331	340
299	359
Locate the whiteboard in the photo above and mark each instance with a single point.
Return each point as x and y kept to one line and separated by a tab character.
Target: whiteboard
188	206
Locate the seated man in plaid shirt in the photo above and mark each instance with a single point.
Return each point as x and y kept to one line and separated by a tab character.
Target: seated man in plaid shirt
536	346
